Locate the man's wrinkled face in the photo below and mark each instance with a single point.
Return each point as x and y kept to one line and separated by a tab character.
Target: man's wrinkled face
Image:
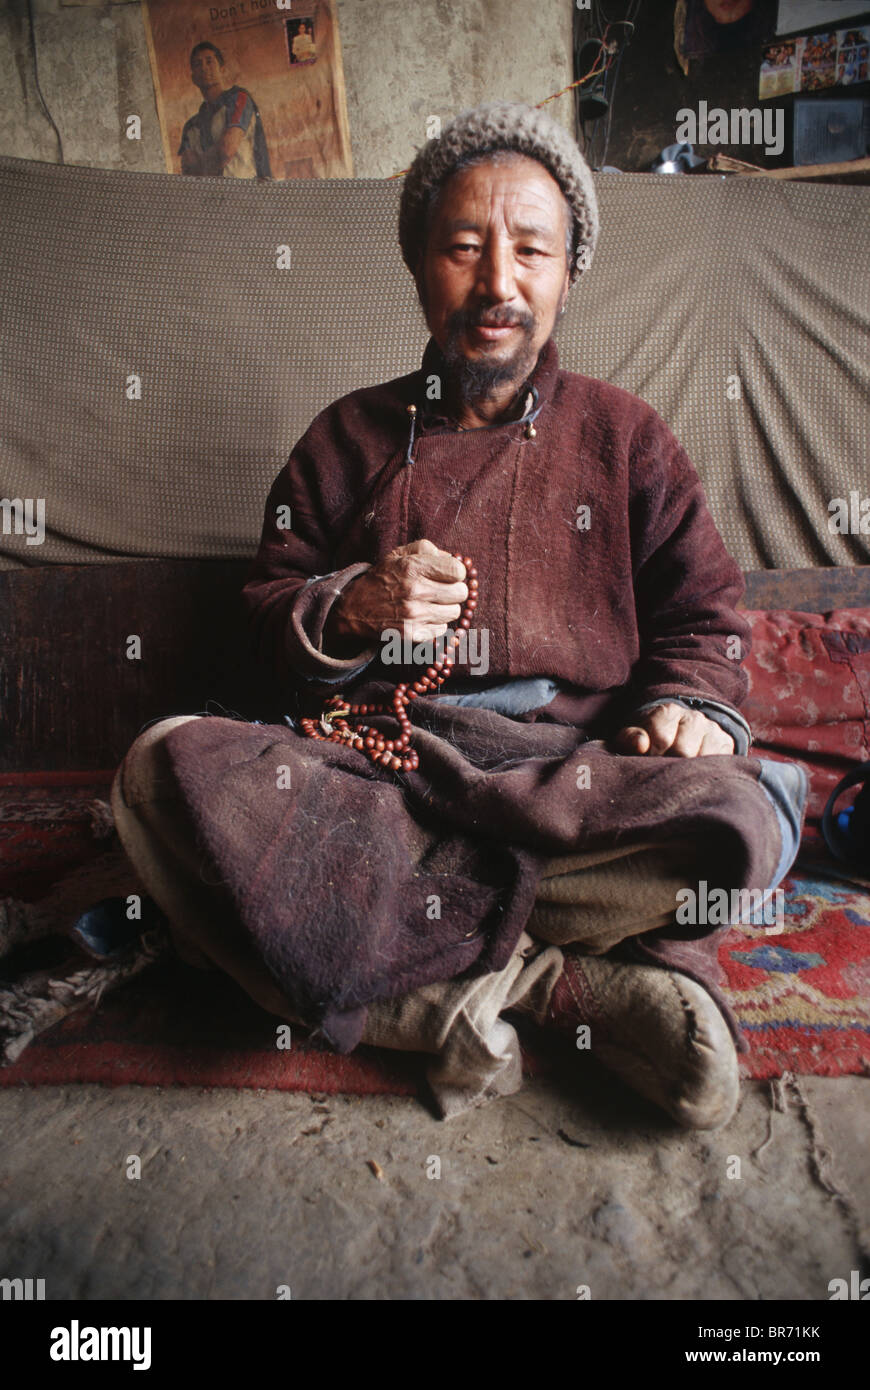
494	275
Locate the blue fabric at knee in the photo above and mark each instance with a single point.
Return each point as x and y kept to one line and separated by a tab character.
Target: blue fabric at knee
786	786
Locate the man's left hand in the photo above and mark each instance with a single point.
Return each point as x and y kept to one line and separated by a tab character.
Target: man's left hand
675	731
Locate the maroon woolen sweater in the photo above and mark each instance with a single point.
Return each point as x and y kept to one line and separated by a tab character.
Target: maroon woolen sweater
637	607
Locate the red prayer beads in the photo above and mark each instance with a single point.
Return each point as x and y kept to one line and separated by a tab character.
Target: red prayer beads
394	753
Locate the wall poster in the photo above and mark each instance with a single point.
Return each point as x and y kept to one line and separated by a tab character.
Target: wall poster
813	62
253	89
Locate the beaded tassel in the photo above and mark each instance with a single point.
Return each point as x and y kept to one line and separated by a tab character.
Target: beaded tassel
397	753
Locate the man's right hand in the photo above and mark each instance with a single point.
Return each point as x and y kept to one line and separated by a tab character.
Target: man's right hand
416	588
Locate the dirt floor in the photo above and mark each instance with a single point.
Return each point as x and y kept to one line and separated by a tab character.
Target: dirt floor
337	1197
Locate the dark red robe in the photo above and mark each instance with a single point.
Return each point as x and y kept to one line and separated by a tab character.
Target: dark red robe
332	873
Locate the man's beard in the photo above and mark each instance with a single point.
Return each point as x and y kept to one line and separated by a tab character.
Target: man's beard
480	378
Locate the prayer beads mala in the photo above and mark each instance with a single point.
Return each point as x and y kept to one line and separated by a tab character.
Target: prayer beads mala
397	754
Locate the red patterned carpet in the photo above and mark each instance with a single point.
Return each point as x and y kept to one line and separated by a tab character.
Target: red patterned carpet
802	996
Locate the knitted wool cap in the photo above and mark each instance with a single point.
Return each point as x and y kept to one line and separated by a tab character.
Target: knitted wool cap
501	125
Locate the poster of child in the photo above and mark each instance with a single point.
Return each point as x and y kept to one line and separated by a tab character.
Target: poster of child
300	38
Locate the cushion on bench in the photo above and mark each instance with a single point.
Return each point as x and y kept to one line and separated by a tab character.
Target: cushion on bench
809	692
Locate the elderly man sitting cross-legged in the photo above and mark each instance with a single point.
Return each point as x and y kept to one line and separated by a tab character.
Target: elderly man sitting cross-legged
414	858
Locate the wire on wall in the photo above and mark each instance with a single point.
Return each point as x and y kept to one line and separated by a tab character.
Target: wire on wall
599	44
36	80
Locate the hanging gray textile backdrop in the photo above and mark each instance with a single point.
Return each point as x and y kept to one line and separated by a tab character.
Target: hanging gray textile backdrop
702	288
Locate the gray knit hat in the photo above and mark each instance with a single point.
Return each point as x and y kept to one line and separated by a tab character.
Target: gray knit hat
501	125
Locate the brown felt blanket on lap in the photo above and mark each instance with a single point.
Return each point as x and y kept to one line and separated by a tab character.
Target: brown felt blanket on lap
331	876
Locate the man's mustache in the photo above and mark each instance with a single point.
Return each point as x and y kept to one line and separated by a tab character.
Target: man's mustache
462	320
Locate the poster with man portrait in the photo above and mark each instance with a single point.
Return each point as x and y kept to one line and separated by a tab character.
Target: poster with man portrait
252	89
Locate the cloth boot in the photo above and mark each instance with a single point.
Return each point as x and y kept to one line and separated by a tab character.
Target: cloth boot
658	1030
